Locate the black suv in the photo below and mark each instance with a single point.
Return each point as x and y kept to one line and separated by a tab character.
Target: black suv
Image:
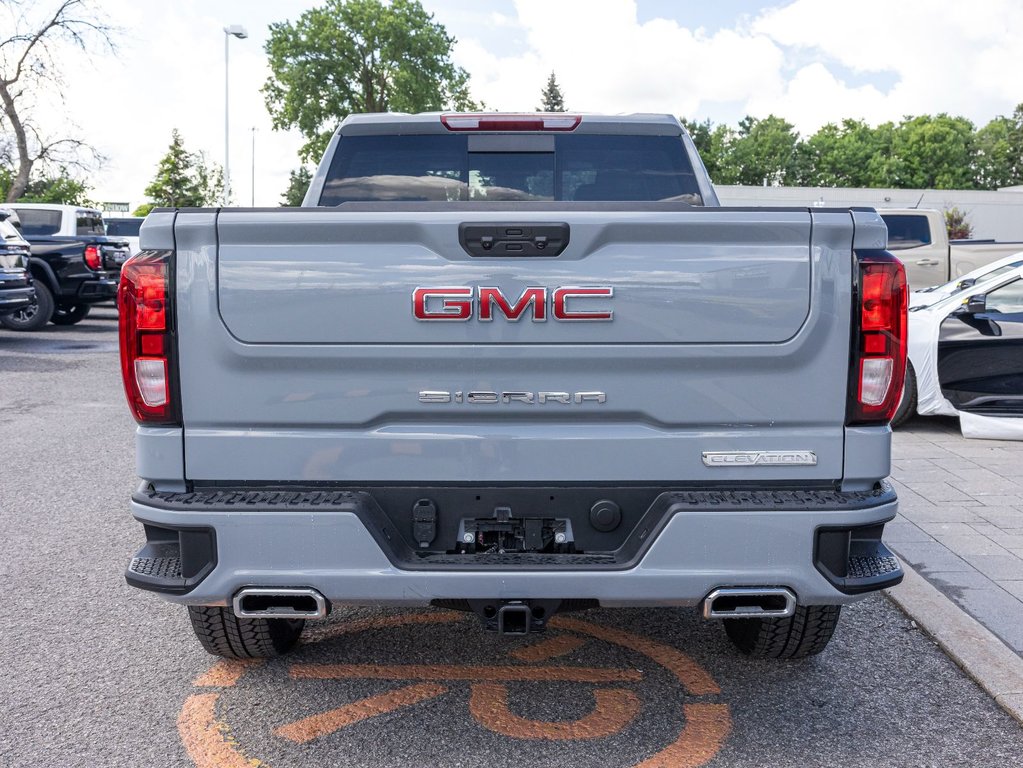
16	291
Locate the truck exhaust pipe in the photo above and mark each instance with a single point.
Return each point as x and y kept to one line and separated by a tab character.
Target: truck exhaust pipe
279	603
749	603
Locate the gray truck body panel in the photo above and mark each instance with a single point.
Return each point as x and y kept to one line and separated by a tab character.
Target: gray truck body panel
301	364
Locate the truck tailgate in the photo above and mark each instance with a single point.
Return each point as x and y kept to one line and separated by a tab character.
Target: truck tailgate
301	358
329	278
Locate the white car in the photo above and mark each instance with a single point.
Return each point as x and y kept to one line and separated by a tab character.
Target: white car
966	357
934	294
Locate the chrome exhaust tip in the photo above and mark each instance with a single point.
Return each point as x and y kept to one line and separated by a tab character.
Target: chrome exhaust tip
279	603
749	603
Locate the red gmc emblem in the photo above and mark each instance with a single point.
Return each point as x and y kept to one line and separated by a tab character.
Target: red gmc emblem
459	304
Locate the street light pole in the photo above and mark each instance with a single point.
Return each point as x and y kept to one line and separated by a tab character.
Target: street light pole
235	30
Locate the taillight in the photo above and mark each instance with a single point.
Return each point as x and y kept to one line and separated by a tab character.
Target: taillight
93	257
535	121
879	353
146	329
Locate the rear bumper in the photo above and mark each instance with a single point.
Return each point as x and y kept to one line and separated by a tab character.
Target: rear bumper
102	289
14	299
330	542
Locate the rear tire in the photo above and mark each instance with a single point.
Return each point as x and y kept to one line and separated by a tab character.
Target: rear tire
907	406
224	634
35	316
805	633
70	315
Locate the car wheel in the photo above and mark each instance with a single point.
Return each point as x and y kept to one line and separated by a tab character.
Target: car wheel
35	316
804	633
907	406
224	634
69	315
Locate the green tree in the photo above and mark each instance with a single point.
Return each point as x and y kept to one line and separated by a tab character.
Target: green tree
359	56
551	97
999	152
298	184
184	179
144	209
764	151
957	224
851	154
714	143
933	152
61	188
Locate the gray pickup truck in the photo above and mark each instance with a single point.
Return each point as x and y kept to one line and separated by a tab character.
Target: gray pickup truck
514	365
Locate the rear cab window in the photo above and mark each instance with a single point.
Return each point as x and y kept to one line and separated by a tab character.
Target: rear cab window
124	227
906	231
38	222
89	223
439	167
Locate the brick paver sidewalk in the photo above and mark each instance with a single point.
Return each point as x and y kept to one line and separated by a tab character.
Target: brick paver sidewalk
960	522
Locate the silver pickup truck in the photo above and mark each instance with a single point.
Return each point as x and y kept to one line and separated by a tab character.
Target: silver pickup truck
514	365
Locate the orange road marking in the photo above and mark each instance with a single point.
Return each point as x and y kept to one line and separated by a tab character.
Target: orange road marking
210	745
206	739
615	709
473	673
307	729
548	649
224	674
707	727
696	681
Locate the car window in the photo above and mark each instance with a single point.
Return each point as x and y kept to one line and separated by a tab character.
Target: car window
90	223
1007	300
124	227
439	167
906	231
38	221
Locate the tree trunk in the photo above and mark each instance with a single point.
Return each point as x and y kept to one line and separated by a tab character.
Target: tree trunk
20	183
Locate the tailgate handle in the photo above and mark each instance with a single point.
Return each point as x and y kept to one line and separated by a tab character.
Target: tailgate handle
513	240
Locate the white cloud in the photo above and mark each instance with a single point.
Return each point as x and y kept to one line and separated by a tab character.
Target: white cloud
606	61
945	56
808	61
795	61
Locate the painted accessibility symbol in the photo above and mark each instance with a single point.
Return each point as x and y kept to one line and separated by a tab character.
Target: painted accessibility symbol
616	702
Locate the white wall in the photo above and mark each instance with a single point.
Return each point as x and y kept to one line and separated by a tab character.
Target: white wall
996	215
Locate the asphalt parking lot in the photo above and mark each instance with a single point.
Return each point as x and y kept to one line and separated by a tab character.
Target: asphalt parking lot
98	674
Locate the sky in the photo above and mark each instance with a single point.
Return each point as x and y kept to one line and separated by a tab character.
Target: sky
809	61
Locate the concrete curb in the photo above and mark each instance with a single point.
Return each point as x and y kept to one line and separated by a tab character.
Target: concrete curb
971	645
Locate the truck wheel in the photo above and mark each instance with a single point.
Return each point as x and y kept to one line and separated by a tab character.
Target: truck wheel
69	315
803	634
224	634
907	406
33	317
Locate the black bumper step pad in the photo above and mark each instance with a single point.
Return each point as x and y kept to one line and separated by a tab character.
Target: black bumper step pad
164	568
173	560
